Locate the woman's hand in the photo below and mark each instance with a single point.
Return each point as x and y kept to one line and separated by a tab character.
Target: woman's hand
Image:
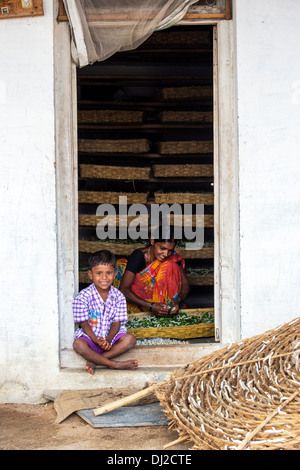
174	309
160	309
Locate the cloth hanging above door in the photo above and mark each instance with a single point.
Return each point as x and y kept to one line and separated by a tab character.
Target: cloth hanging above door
100	28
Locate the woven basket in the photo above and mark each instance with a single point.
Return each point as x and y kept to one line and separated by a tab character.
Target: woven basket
113	146
243	396
182	171
93	220
186	116
179	332
184	198
115	248
106	197
109	116
86	246
203	253
185	147
198	280
114	172
177	39
194	279
187	93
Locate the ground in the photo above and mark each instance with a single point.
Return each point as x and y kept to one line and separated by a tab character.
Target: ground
33	427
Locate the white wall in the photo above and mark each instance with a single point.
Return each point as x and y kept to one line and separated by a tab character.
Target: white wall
29	317
268	85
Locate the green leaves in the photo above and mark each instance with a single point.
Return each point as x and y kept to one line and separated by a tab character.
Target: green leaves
181	319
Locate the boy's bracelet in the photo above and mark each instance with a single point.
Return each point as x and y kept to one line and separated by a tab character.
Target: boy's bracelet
151	306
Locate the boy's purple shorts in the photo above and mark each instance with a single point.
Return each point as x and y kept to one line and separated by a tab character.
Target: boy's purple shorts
97	348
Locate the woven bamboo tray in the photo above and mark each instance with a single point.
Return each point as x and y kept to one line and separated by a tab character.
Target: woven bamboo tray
115	248
114	146
183	171
186	93
185	147
109	116
186	116
87	246
184	198
106	197
195	280
114	172
178	332
93	220
187	311
198	280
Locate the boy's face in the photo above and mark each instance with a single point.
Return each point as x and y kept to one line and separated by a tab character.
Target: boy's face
102	276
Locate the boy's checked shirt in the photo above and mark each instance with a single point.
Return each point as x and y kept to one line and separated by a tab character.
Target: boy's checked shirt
89	306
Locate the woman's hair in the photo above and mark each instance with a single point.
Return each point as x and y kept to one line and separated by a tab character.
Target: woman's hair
102	257
164	234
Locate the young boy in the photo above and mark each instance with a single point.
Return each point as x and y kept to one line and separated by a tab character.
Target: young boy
102	313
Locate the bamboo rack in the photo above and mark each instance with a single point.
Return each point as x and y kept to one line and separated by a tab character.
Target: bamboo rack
185	147
114	172
183	171
87	246
115	146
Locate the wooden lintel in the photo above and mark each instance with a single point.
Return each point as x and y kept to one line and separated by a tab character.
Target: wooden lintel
62	16
10	9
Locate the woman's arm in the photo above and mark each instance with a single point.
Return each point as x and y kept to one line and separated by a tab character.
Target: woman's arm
125	288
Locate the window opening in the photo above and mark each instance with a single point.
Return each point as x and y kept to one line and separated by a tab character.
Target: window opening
145	129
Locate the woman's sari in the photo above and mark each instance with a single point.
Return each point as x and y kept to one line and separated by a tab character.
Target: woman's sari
160	281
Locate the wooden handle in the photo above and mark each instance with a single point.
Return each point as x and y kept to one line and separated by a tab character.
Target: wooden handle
124	401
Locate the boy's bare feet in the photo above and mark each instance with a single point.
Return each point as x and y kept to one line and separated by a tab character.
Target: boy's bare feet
126	365
90	367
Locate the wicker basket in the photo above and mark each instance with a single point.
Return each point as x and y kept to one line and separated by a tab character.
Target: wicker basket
203	253
114	146
106	197
93	220
182	171
187	92
86	246
115	248
195	280
184	198
114	172
185	147
186	116
109	116
178	332
198	280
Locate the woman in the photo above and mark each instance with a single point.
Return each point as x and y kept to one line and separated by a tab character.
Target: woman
153	278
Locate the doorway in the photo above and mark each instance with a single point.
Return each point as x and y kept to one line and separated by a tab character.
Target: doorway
146	130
